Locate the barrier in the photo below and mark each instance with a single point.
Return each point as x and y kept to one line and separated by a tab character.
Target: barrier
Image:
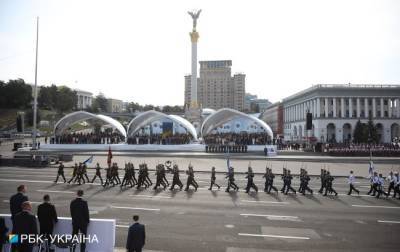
104	229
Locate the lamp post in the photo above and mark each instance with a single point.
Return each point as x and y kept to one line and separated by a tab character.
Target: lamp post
35	89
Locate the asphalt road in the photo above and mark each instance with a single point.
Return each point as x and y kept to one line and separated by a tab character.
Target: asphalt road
219	221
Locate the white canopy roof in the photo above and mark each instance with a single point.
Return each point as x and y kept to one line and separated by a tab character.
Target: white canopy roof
80	116
150	116
225	115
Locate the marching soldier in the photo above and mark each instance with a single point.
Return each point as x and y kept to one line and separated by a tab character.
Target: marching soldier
266	176
288	181
381	182
391	180
301	177
329	184
79	175
397	185
231	180
250	180
351	181
190	179
146	175
374	184
323	180
283	177
159	178
60	172
271	177
163	174
126	178
84	171
98	174
133	175
305	180
213	178
175	179
74	173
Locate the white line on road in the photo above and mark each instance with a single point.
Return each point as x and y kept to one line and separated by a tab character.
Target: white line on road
368	206
386	221
151	196
136	208
33	202
269	215
275	236
25	180
50	191
122	226
268	202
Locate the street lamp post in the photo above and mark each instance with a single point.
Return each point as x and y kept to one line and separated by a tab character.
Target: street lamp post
35	89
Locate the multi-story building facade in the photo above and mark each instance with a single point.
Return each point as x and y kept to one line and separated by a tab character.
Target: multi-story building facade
273	116
217	88
85	99
337	108
115	106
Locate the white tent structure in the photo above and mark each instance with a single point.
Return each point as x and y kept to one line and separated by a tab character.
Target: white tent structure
226	115
79	116
150	116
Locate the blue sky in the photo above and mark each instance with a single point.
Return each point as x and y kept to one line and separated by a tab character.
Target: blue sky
140	50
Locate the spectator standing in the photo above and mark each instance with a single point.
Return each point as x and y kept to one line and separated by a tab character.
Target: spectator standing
25	223
80	217
136	236
16	201
47	216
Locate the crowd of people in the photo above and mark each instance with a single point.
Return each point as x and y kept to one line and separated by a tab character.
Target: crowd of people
163	139
88	138
386	150
242	138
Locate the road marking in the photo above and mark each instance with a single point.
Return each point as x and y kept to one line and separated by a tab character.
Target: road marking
368	206
270	216
152	196
268	202
24	180
275	236
355	195
32	202
386	221
50	191
122	226
136	208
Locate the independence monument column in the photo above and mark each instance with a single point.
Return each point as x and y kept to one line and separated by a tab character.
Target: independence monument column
193	113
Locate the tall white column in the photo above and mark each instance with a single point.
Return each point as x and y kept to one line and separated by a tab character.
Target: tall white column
342	107
314	108
382	108
334	107
318	107
358	108
326	108
389	108
398	108
350	107
366	108
374	107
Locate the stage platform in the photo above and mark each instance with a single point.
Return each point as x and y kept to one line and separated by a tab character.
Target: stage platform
134	148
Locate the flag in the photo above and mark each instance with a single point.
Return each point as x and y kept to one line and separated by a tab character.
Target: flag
227	159
89	160
109	156
371	168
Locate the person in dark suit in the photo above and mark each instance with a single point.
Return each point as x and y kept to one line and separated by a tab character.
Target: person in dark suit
16	201
3	233
80	217
25	223
136	236
47	216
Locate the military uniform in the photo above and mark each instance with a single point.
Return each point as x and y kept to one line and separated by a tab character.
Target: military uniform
60	172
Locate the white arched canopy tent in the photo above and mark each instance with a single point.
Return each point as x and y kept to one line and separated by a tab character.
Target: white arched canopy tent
80	116
226	115
148	117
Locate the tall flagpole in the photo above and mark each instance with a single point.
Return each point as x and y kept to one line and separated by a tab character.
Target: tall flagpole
35	89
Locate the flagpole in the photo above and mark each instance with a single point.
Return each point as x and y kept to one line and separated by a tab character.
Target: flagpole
35	89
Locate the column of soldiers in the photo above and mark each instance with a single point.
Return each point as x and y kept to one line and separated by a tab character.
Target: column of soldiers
79	175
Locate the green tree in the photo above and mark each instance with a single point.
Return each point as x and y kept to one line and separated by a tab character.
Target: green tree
47	97
134	106
15	94
372	131
66	99
100	103
359	133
